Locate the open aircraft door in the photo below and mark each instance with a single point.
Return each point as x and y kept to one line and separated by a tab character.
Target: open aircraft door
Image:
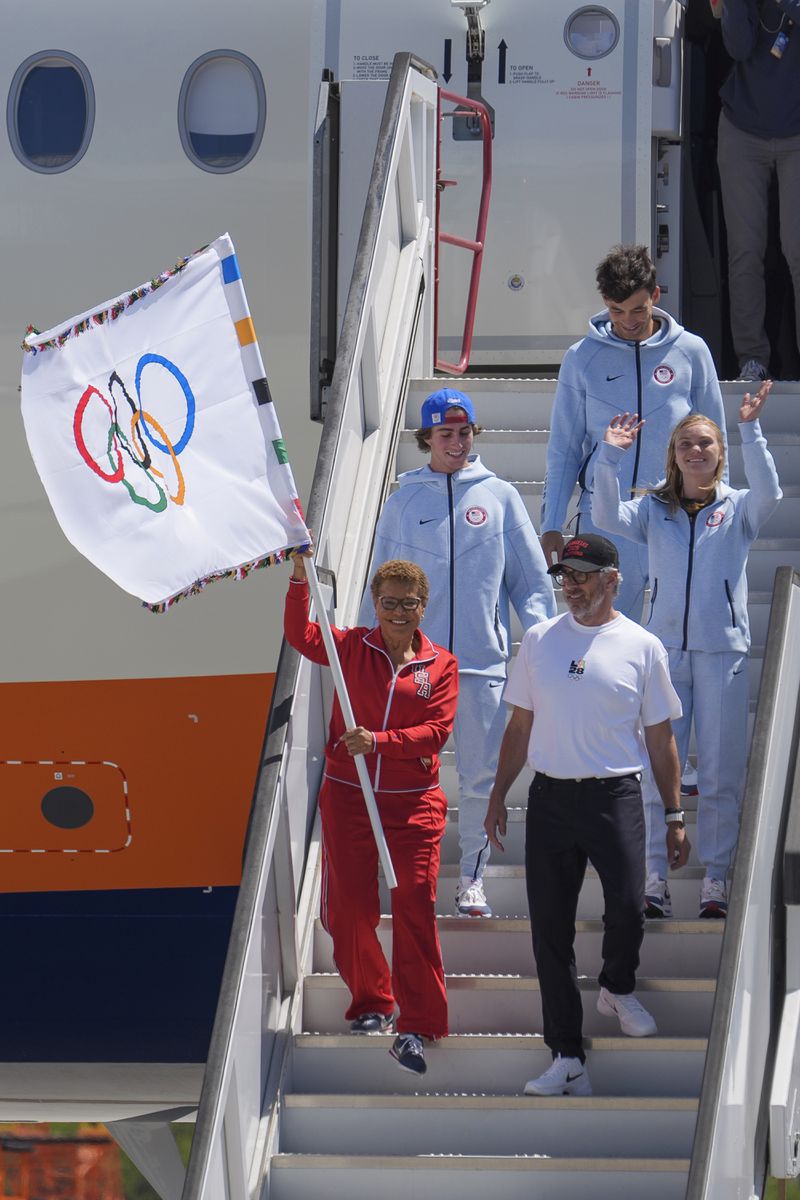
584	97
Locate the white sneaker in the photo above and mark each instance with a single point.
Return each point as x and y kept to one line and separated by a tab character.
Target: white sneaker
657	900
634	1020
713	898
565	1077
471	898
689	781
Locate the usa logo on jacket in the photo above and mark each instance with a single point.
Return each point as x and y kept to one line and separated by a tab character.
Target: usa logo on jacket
663	374
476	516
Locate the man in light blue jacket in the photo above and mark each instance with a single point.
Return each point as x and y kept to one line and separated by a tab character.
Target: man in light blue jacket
471	534
637	359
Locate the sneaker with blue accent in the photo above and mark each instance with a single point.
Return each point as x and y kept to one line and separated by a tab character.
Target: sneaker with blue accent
689	781
408	1053
471	898
657	900
566	1077
713	899
372	1023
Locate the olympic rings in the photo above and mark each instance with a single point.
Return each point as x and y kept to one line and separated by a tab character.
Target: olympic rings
136	449
77	428
180	495
187	391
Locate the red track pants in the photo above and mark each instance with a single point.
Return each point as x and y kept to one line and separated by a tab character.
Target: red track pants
413	823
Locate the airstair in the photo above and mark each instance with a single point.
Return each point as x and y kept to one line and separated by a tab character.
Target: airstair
354	1125
295	1107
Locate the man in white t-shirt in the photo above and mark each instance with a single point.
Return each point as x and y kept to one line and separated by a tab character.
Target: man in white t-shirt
592	704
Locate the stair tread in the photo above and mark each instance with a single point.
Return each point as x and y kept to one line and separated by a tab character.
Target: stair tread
325	979
520	1162
470	1042
669	927
480	1100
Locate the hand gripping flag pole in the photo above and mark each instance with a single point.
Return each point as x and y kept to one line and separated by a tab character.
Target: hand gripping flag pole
350	722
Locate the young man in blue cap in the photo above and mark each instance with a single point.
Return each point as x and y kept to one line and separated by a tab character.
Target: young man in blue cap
471	534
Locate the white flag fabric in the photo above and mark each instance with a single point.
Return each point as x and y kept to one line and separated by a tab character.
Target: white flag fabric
151	425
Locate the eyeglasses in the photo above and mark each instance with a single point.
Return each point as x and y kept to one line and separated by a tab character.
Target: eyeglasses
408	604
579	577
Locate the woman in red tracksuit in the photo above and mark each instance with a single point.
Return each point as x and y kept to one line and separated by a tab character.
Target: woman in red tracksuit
403	690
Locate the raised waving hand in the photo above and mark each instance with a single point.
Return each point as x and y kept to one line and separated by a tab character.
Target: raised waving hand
751	406
623	430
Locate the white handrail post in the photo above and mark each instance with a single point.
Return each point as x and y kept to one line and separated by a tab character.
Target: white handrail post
350	721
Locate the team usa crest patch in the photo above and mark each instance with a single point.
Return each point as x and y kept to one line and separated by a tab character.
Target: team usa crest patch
663	374
577	668
715	518
476	515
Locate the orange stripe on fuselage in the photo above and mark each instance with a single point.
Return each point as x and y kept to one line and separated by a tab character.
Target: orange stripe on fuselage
168	766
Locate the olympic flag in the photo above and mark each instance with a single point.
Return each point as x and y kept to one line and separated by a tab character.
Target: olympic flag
152	427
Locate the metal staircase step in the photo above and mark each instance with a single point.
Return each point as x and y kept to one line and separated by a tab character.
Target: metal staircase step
505	888
503	946
483	1003
659	1127
494	1064
457	1177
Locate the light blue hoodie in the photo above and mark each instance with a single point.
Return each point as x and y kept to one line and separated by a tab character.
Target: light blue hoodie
698	579
472	536
662	380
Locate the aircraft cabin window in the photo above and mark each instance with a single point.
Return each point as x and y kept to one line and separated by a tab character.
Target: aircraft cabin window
222	111
50	111
591	32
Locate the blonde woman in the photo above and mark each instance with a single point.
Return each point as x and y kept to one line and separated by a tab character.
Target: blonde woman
698	532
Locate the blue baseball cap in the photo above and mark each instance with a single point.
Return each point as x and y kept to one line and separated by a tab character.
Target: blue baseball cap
439	404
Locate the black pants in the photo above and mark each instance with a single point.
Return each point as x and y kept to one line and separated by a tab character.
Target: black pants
569	822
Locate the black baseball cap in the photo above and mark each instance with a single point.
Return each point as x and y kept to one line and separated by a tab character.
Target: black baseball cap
587	552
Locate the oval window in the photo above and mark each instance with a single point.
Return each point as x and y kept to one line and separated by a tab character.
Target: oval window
222	111
591	32
50	113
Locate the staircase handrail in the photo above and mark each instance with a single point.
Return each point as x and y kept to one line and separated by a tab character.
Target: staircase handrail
263	967
729	1155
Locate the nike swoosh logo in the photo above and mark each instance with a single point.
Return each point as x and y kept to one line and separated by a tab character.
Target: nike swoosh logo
572	1078
609	378
426	520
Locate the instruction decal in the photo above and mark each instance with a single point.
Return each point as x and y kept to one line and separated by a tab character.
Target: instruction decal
371	66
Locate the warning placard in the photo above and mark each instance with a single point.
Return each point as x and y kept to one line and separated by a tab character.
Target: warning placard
523	73
370	66
588	89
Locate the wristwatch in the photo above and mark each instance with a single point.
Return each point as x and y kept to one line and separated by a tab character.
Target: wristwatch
674	815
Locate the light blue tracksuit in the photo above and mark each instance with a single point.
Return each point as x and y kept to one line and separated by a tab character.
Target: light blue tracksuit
662	380
698	608
472	536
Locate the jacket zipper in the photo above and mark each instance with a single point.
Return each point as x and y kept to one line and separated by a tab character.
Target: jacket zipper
653	594
497	630
638	416
452	562
730	603
395	673
689	568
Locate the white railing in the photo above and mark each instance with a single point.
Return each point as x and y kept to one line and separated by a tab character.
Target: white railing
729	1158
389	315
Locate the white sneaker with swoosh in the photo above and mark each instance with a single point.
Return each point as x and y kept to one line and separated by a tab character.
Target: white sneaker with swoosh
565	1077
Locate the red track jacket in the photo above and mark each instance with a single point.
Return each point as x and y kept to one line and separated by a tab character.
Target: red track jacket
411	712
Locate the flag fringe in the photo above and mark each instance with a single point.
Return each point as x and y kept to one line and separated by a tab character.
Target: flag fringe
114	310
241	572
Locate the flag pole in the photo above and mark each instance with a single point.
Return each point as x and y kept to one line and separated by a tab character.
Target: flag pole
349	721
